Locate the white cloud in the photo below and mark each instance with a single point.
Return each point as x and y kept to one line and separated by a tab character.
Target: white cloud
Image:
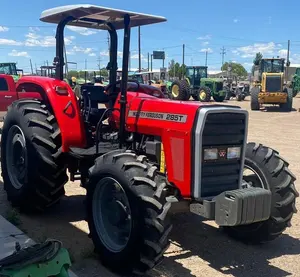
208	50
4	41
267	49
143	58
77	49
15	53
46	41
3	29
81	49
204	43
33	39
81	30
235	20
32	35
282	53
206	37
106	53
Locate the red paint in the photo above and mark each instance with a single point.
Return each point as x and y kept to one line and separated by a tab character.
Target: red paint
167	130
70	121
8	95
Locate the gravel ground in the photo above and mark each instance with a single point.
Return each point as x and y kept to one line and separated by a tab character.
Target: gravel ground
198	248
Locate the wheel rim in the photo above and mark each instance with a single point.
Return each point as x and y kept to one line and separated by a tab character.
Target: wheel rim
175	90
16	157
202	95
112	214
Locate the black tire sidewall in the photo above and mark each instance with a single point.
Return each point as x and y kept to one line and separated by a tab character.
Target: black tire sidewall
16	118
107	171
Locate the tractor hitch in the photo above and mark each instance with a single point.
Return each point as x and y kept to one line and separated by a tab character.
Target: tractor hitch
236	207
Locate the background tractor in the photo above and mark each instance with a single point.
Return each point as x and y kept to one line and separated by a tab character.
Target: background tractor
269	85
236	89
198	85
137	155
296	82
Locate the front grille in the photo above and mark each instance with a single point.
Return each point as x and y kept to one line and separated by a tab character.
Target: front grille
222	129
273	84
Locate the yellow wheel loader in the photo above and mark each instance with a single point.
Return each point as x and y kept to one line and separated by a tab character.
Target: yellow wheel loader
269	87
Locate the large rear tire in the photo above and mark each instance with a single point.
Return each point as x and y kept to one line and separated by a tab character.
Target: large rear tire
138	245
180	90
33	170
270	171
255	106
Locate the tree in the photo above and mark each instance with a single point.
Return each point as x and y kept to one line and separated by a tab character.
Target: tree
257	58
236	68
176	70
256	61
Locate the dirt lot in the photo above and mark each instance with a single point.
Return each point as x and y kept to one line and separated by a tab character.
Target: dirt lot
198	248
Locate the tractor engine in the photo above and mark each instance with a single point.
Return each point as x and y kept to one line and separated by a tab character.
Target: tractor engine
203	146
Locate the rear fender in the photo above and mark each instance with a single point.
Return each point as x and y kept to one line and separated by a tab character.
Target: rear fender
64	105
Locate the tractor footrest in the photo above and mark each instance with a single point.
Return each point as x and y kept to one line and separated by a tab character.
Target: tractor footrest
104	147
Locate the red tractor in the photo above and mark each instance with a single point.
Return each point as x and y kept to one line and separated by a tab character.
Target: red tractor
138	155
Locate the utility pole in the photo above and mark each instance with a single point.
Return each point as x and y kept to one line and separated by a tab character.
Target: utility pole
31	67
223	53
139	42
151	62
85	64
206	58
183	53
66	62
148	61
99	65
287	62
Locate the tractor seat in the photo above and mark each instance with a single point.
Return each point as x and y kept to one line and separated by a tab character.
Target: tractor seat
92	96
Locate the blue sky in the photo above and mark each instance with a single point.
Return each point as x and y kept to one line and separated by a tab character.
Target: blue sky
242	27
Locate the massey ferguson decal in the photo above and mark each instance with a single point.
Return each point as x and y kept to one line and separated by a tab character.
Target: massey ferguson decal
222	153
159	116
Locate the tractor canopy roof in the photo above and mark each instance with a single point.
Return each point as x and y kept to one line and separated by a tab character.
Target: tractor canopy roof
96	17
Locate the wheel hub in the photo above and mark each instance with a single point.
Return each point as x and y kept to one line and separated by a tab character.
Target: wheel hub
112	214
175	90
202	94
16	156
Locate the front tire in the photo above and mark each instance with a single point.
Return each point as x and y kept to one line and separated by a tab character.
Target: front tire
33	170
255	106
288	106
218	98
270	172
145	190
204	94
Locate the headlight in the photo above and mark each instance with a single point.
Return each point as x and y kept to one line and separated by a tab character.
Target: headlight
233	153
210	154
